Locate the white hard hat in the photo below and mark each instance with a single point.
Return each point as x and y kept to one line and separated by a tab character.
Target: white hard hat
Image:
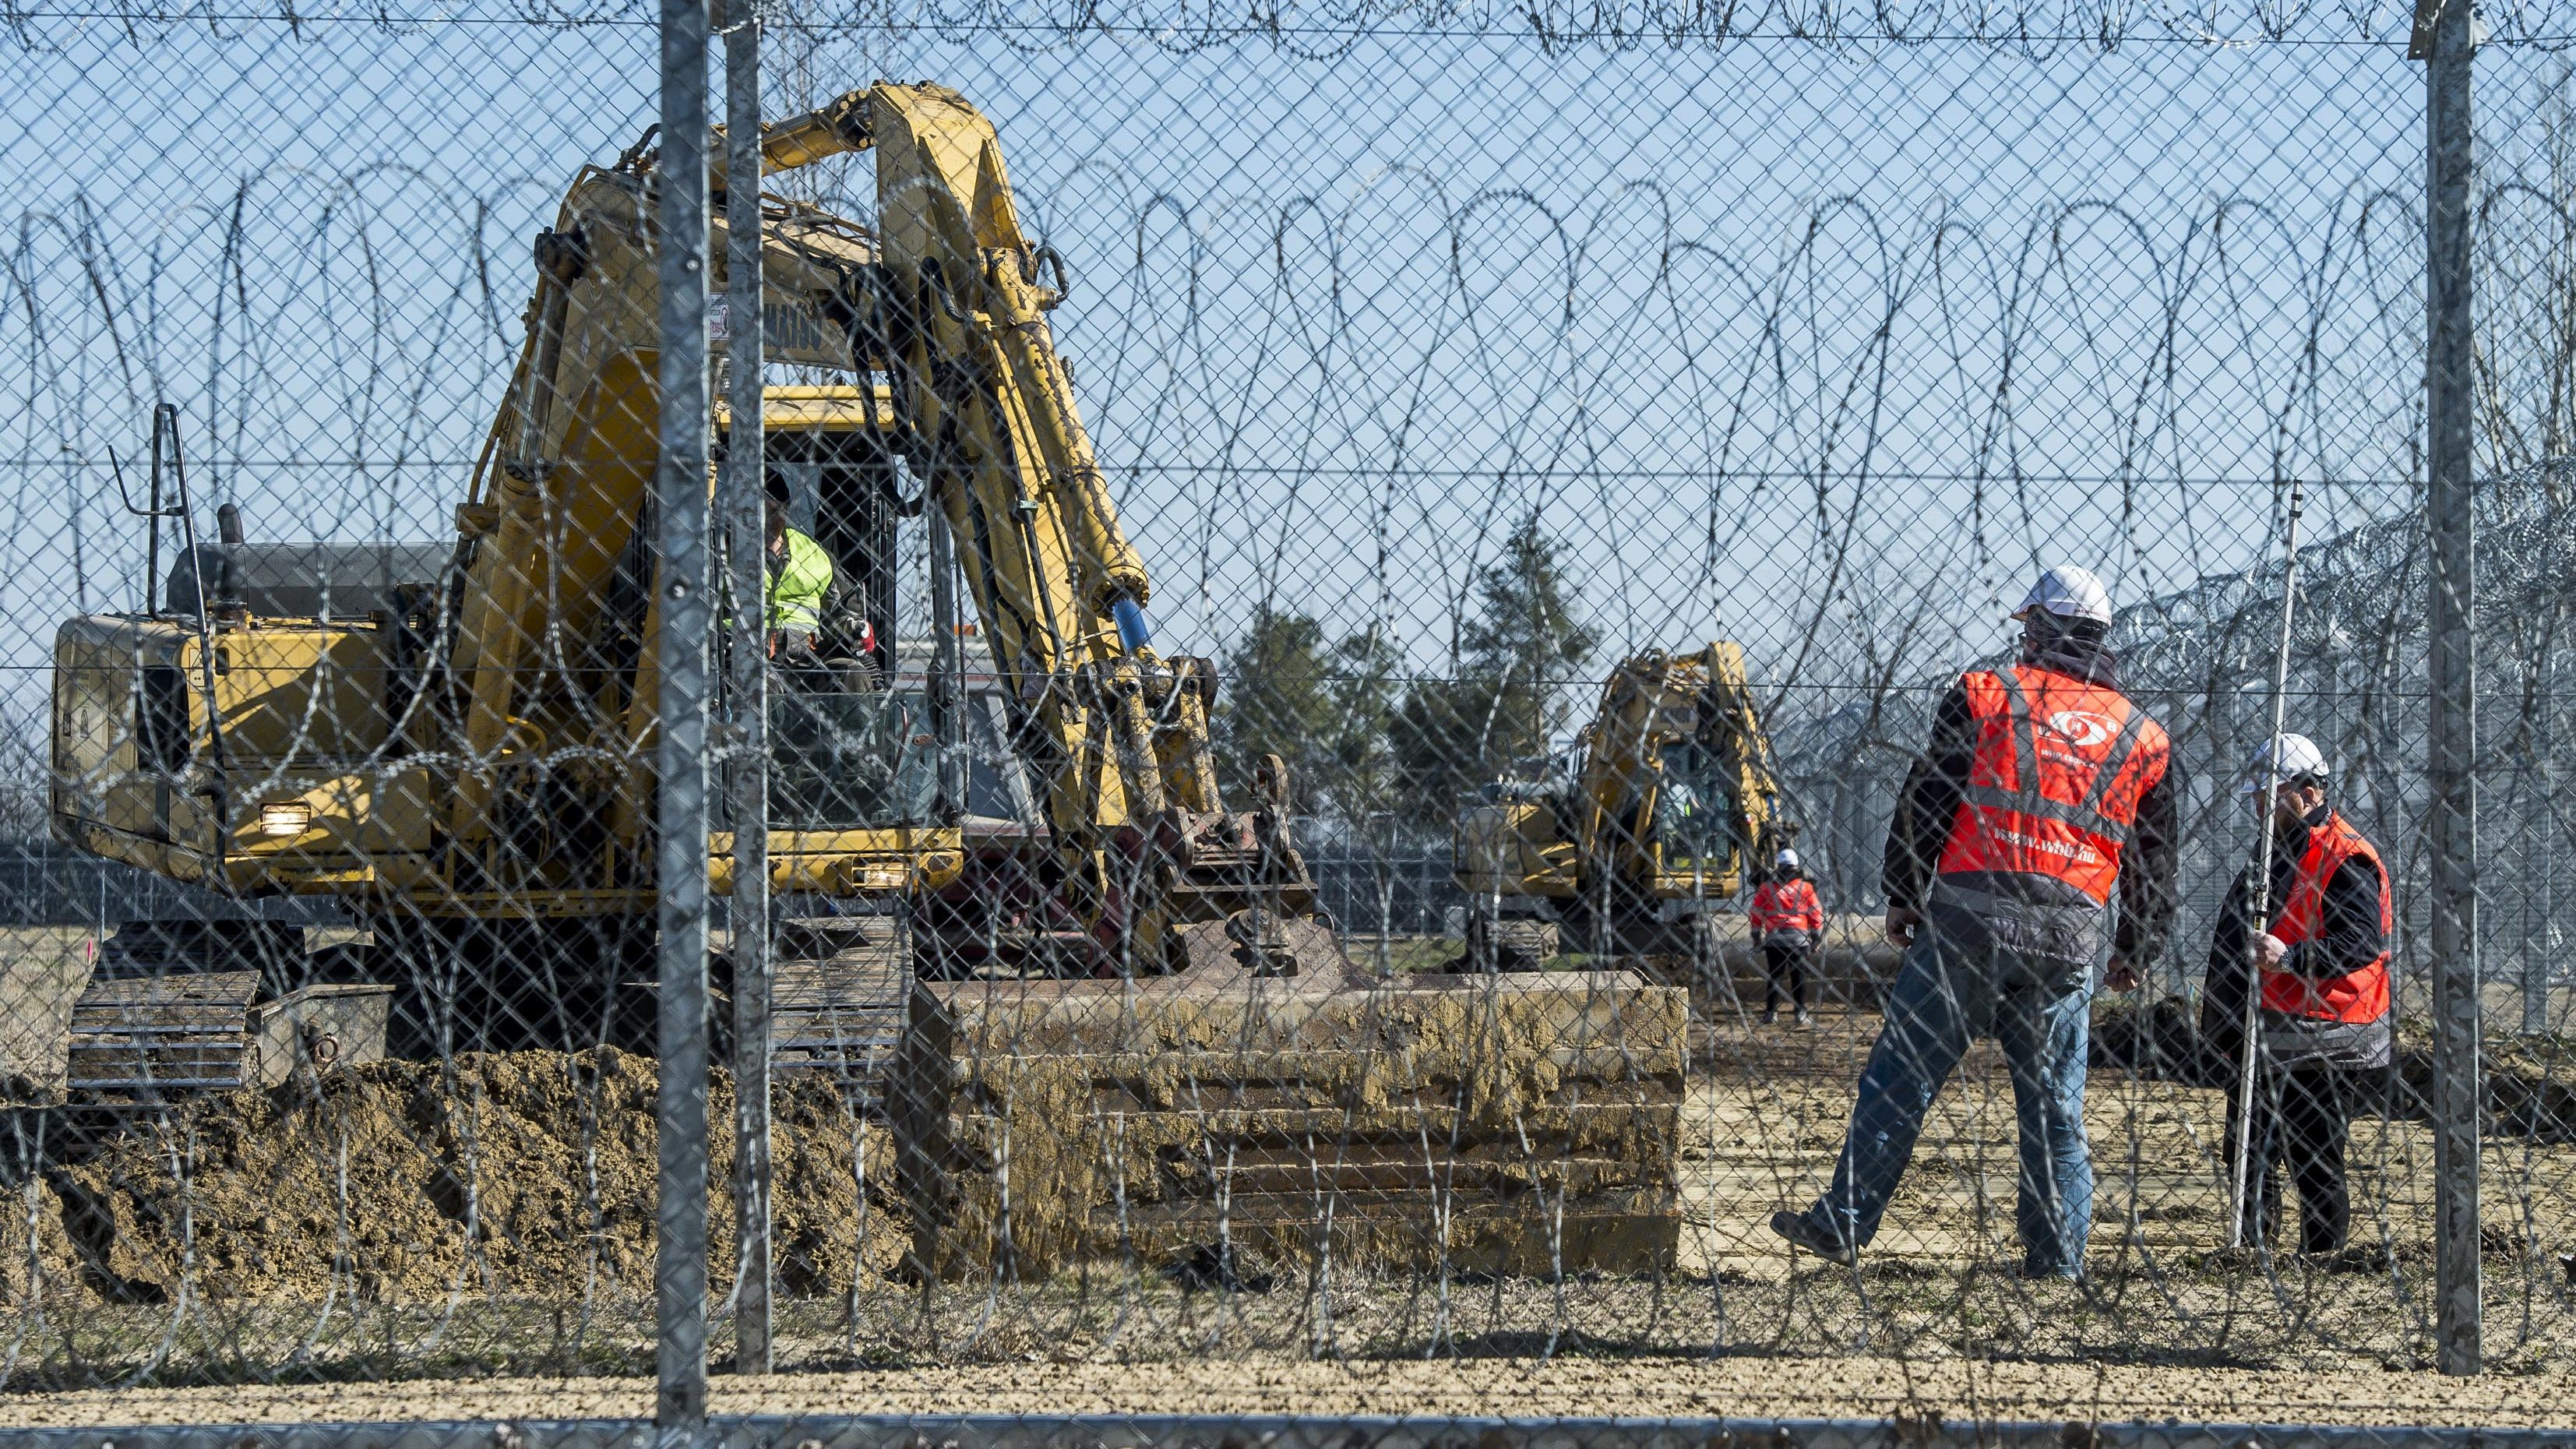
2282	759
2069	593
1786	860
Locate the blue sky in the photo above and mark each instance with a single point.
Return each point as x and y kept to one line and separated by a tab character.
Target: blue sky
1788	341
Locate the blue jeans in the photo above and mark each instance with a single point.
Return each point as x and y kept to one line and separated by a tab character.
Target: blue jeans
1945	994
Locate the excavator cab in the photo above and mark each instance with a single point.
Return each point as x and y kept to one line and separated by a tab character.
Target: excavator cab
851	745
265	728
1697	822
830	449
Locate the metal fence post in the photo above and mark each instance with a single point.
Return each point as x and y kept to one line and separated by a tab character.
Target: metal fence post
746	542
680	857
948	703
2449	501
2540	948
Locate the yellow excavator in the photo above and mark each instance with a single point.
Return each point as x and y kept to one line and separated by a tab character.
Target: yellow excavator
1655	822
462	760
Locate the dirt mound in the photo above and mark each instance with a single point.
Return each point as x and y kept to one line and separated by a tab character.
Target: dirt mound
401	1181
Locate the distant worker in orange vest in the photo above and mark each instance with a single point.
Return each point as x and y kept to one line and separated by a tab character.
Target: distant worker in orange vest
2321	968
2044	793
1789	922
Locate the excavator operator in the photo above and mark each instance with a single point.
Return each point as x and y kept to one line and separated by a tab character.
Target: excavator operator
799	575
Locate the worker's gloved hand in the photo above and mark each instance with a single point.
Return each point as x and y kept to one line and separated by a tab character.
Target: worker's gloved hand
1900	925
791	644
2119	976
2269	950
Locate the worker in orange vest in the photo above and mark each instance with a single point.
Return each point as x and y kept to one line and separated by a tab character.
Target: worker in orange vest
2044	795
2323	1043
1789	921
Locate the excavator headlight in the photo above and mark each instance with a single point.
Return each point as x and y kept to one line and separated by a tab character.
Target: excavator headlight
286	818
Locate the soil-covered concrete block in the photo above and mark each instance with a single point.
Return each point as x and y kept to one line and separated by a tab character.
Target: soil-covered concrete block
1514	1123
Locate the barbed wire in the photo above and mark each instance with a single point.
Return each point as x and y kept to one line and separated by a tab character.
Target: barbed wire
1442	358
2056	27
1959	342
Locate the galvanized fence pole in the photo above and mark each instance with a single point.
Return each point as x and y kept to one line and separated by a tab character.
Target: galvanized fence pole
2258	898
948	702
2449	500
2540	946
746	544
687	619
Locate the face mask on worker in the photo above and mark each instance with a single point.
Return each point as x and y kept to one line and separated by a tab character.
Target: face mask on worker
2044	634
2287	806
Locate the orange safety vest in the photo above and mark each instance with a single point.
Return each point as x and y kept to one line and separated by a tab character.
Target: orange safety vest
1785	906
2357	996
2054	787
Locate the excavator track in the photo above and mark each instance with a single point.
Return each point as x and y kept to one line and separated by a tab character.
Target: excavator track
836	1000
171	1011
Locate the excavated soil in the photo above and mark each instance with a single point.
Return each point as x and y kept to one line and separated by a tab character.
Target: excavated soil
410	1182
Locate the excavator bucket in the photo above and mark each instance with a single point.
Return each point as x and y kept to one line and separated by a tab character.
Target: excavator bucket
1503	1123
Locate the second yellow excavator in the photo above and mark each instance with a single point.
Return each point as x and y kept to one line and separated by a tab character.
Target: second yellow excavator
1655	822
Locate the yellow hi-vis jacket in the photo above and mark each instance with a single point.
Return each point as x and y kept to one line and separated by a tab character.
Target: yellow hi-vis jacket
797	584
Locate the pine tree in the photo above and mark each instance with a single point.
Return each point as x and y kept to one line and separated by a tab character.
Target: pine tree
1320	707
1277	699
1517	656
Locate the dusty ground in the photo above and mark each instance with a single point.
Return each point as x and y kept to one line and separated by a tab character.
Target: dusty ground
493	1224
1856	1386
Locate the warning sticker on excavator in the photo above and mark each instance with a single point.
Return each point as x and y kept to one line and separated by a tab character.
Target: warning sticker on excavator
787	326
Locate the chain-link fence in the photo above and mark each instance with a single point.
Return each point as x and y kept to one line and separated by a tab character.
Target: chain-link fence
1310	711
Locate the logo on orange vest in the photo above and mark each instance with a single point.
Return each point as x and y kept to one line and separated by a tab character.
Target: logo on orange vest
2083	728
2074	850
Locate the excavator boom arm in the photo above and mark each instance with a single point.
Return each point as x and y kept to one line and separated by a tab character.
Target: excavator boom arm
947	301
1058	586
1116	735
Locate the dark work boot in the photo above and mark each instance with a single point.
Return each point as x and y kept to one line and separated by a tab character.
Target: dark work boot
1804	1232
